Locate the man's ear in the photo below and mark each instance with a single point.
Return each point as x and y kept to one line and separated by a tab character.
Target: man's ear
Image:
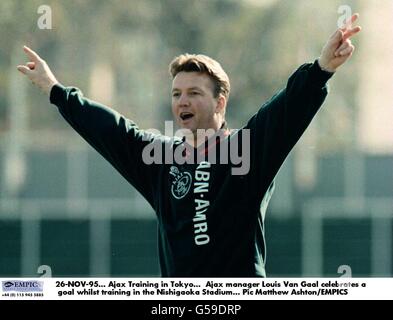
221	104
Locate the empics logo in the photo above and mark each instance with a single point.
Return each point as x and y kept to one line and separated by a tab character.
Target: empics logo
22	286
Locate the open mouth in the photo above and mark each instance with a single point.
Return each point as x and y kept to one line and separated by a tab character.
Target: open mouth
186	115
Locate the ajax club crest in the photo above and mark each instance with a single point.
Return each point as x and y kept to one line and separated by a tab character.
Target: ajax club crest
181	183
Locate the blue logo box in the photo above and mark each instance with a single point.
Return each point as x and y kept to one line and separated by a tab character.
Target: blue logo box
22	286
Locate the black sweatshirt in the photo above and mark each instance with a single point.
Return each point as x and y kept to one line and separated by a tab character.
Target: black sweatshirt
210	221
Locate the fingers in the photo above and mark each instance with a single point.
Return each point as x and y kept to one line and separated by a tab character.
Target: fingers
26	69
31	65
349	22
31	54
336	37
336	34
351	32
347	28
354	17
346	46
347	51
23	69
343	46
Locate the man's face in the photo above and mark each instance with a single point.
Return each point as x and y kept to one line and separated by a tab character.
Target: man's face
193	104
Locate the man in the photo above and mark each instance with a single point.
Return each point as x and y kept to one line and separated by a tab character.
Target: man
211	220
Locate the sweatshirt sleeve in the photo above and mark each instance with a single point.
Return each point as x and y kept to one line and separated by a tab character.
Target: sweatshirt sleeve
116	138
282	120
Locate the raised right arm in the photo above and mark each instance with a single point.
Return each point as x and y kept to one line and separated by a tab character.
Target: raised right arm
116	138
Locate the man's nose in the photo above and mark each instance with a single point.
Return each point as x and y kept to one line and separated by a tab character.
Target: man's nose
183	100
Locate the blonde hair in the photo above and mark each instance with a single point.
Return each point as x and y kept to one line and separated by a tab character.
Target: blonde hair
203	64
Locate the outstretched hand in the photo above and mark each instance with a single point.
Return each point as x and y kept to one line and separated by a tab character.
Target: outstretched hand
339	48
38	71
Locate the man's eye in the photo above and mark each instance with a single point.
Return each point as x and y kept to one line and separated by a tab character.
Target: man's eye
175	95
194	93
